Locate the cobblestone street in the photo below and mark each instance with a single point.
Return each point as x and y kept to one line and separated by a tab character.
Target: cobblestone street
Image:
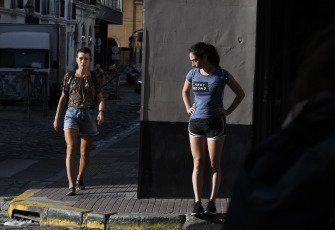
34	142
35	138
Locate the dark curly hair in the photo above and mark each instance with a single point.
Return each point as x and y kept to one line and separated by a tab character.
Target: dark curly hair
84	50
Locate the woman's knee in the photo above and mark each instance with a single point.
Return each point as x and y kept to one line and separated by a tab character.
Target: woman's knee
71	150
215	168
199	165
85	154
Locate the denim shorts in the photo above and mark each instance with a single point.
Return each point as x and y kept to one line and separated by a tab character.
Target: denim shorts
81	120
211	128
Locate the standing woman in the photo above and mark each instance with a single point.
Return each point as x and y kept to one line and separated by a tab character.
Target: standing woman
83	91
207	129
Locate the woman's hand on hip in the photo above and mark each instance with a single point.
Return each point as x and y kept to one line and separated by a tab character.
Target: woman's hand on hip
191	110
221	110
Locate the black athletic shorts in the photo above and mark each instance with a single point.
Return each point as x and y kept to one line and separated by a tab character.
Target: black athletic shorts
211	128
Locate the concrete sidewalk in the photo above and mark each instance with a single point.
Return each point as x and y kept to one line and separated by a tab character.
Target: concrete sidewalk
110	199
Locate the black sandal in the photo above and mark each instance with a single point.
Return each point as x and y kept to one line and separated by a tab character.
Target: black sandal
71	192
80	184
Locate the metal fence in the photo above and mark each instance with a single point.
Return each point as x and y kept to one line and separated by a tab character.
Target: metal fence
111	84
27	86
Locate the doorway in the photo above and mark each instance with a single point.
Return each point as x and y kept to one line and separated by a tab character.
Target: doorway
283	28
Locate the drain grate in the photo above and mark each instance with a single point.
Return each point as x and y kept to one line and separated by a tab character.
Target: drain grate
33	216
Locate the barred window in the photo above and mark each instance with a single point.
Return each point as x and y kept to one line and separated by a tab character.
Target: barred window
113	4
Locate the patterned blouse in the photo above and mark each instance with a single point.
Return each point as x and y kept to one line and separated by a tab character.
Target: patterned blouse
82	91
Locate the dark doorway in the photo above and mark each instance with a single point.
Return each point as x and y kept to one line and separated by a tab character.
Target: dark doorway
283	30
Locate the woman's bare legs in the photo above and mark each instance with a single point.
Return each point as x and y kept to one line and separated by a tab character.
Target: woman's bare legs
71	151
198	148
85	147
215	152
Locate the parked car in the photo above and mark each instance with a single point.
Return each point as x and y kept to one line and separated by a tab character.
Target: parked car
138	83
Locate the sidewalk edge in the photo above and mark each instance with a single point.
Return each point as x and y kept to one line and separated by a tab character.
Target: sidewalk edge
66	216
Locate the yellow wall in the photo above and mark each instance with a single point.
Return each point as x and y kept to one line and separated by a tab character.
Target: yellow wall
132	21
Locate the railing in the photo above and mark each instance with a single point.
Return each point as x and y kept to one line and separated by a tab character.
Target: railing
113	4
27	86
111	84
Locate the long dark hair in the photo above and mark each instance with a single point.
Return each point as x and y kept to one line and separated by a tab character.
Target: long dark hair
201	48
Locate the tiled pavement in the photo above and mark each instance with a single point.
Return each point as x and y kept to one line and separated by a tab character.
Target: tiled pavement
111	185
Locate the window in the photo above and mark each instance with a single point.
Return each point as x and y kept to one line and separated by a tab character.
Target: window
16	4
74	11
37	6
116	4
113	4
19	4
2	3
45	7
52	8
57	8
71	11
60	8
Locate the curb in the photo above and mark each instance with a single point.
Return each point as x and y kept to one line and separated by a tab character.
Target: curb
53	215
65	216
146	221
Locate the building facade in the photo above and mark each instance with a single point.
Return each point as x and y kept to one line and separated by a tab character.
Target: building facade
85	21
120	34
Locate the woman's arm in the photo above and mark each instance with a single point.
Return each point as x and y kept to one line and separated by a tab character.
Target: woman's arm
237	89
101	115
61	103
187	97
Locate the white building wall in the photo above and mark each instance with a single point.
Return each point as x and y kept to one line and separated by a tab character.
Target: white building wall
85	15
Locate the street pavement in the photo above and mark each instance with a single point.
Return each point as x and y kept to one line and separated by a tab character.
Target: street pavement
32	171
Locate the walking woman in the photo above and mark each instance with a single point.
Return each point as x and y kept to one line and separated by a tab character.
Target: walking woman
82	90
207	129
